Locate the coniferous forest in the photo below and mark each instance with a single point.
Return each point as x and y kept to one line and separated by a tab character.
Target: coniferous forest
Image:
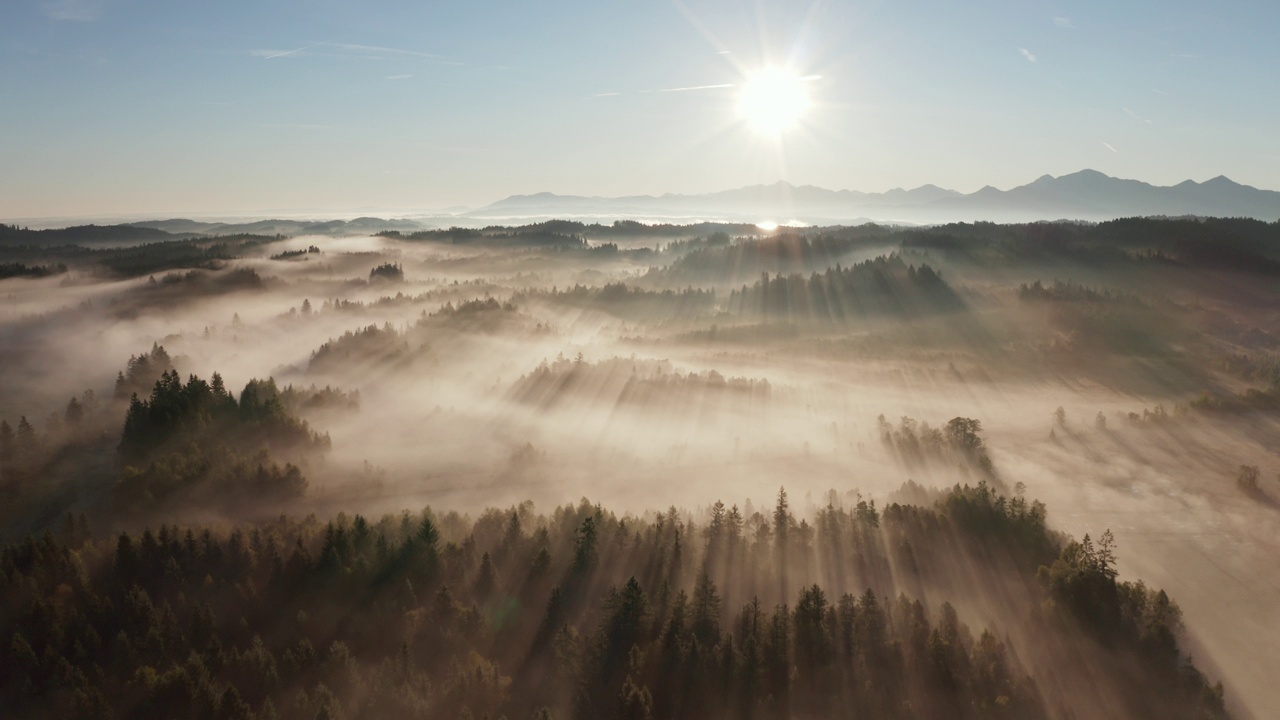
630	471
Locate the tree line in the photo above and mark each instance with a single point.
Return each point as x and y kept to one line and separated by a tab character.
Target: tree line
584	613
887	285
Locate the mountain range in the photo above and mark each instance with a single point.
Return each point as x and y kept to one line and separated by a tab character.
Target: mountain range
1084	195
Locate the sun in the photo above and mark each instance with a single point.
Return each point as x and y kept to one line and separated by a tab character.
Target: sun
773	100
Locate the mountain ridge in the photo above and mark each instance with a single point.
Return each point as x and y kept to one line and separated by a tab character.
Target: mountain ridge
1083	195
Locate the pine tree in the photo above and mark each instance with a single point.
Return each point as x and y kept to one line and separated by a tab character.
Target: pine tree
74	414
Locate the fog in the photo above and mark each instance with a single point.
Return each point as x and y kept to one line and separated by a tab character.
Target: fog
652	375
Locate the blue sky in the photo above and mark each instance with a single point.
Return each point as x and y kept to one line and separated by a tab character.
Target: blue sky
189	107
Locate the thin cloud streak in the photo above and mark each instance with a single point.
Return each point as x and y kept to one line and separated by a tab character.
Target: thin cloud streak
696	87
406	76
73	10
367	52
1107	145
1028	55
273	54
294	126
385	50
1063	22
1136	116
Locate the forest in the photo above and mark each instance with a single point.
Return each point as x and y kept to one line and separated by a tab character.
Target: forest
583	613
573	470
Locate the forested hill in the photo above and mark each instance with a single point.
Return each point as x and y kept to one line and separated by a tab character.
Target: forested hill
84	235
584	613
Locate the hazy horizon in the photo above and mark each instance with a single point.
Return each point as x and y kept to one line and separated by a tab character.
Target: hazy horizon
472	215
689	360
155	108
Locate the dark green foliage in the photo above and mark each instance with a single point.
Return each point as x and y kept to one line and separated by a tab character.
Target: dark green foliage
1072	292
473	307
1266	401
716	259
1247	481
552	234
370	347
296	254
8	449
1016	526
569	232
176	414
192	284
312	399
629	301
958	444
884	286
195	443
1264	367
1233	244
636	384
353	618
81	234
451	235
161	251
180	254
487	316
387	272
1084	592
8	270
692	389
142	372
146	259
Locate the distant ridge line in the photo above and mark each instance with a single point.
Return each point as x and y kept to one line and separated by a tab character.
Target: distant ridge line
1083	195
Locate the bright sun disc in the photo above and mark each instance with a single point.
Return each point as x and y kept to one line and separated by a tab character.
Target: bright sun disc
773	100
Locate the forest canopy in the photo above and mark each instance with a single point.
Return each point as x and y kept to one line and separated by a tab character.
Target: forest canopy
331	470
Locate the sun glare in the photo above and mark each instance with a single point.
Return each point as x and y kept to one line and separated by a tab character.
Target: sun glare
773	100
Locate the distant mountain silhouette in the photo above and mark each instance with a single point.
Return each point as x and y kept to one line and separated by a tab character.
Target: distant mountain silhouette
87	235
151	231
1084	195
281	227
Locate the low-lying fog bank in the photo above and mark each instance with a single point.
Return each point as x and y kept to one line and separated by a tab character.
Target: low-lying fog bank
674	373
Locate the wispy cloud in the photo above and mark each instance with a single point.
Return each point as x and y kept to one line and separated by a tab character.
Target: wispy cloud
366	52
405	76
689	88
273	54
377	50
1137	117
295	126
1063	22
1028	55
696	87
1107	145
74	10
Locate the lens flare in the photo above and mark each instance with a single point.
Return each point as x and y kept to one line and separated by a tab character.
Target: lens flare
773	100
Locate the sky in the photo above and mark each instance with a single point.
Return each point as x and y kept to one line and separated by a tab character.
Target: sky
182	107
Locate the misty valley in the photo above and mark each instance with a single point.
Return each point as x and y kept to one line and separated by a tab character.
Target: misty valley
575	470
